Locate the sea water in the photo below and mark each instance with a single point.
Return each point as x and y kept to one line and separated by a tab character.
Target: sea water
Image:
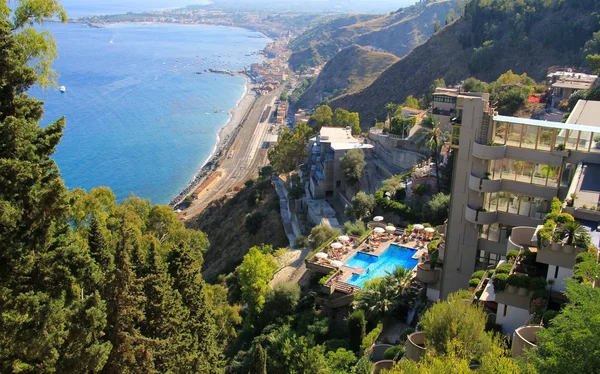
139	118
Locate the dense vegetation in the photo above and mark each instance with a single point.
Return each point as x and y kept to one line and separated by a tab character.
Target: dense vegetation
348	71
396	33
252	214
492	37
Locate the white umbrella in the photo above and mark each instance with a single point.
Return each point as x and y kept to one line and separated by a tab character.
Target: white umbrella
429	229
336	245
321	255
343	238
379	230
378	219
418	227
337	264
390	229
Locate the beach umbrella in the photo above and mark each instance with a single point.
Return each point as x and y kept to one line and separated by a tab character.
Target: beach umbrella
321	255
379	230
429	229
343	238
337	264
418	227
378	219
336	245
390	229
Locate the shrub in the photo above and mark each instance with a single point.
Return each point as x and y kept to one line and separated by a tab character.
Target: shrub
356	229
499	281
514	280
301	242
474	282
504	269
548	317
391	352
586	256
404	334
537	284
478	274
529	257
512	255
356	328
325	278
371	337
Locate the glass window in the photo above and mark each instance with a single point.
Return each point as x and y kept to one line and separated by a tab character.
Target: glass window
530	134
572	139
525	206
584	141
500	133
503	199
513	204
595	146
545	139
514	134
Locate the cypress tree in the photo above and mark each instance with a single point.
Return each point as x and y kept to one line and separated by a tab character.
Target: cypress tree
131	352
259	362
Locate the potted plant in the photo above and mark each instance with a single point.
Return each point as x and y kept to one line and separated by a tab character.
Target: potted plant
512	283
499	282
512	255
486	175
561	150
536	284
575	233
523	284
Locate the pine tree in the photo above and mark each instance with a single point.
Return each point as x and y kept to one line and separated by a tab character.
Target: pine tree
259	362
99	247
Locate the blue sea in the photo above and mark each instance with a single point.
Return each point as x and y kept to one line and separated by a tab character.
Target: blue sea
139	118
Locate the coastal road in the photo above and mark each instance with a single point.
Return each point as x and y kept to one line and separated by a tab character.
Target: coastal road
244	158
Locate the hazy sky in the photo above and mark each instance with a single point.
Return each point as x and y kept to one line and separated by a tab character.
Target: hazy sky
78	8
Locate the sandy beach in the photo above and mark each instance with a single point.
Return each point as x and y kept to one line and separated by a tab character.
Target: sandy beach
225	138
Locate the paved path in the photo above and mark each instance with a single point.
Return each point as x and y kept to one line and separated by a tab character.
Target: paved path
244	158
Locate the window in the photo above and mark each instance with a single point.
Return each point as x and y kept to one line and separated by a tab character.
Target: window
556	272
505	308
338	184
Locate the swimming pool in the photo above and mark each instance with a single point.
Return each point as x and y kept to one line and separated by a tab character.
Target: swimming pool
376	266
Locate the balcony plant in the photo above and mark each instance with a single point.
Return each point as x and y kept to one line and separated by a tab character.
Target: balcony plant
523	284
499	281
474	282
512	283
504	269
575	234
512	255
536	284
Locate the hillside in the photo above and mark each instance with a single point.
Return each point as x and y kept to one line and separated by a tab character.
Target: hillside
226	223
348	71
486	42
397	33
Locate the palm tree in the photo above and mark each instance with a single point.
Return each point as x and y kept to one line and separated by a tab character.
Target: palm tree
402	276
378	297
433	139
391	108
576	233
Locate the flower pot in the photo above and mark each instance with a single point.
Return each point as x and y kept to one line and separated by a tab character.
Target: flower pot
545	242
555	246
568	248
523	291
579	250
511	289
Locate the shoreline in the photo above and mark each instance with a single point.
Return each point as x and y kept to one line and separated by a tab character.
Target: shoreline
224	139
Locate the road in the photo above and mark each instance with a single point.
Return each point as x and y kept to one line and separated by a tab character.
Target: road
244	158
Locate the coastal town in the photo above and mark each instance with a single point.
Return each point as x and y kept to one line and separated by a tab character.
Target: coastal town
376	202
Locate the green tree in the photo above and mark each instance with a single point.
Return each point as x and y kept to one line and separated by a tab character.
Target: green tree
401	126
321	234
391	108
342	361
352	164
323	116
435	210
410	102
357	328
570	343
259	363
378	297
356	228
255	273
290	149
344	118
362	206
281	301
474	85
433	139
456	323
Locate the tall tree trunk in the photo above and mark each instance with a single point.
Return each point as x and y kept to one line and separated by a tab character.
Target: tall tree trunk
437	166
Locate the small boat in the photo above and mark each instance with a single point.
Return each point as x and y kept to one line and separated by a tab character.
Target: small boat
63	89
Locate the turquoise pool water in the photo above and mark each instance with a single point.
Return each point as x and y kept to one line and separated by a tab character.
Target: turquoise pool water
377	266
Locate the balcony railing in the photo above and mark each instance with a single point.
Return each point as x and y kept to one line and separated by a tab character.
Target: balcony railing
415	346
489	152
480	217
484	185
524	338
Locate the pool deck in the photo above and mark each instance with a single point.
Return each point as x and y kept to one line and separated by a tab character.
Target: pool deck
386	241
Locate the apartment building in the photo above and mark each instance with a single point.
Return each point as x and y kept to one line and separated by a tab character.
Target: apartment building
507	170
566	82
446	106
326	178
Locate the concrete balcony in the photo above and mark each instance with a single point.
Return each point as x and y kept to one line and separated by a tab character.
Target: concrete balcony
479	217
484	185
524	338
382	365
426	275
522	236
558	254
415	346
488	152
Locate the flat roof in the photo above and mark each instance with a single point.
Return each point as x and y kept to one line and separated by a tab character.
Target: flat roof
575	84
585	117
348	146
337	135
